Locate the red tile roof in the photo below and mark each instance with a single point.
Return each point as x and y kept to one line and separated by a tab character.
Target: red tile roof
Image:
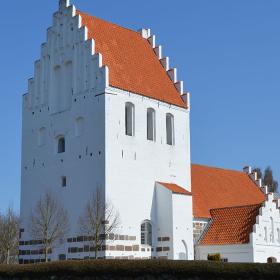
231	225
218	188
133	65
175	188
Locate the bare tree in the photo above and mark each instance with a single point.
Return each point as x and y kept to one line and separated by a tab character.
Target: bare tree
9	236
99	220
269	180
48	222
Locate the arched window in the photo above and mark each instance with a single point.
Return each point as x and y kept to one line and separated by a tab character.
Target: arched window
146	233
151	124
61	145
170	140
129	119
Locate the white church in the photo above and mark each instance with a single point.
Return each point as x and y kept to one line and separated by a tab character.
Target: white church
105	111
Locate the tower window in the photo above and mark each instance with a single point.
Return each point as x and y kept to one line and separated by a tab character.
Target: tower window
61	145
151	124
129	119
63	181
170	140
146	233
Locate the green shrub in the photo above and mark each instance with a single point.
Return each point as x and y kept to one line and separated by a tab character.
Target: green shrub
214	257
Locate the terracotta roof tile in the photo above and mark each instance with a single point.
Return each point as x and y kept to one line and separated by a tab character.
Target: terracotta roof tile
218	188
133	65
175	188
231	225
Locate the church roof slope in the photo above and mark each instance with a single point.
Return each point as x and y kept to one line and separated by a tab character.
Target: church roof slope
231	225
132	63
218	188
175	188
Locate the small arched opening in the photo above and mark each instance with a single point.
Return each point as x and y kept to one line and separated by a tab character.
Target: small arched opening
61	145
151	124
170	140
129	119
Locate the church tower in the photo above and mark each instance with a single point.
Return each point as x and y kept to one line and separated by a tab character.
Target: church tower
105	111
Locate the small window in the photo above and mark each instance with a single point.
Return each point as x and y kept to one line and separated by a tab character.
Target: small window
61	145
265	234
146	233
170	129
63	181
129	119
151	124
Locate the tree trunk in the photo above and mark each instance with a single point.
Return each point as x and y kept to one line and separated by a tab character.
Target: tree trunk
46	254
96	245
95	251
8	257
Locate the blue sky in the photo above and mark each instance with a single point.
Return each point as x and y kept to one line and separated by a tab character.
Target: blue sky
227	53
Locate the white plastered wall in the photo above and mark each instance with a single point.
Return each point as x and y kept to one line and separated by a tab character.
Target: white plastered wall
163	220
233	253
183	248
83	163
134	164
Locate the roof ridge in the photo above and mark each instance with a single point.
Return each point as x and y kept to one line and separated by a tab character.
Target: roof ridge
107	21
218	168
236	206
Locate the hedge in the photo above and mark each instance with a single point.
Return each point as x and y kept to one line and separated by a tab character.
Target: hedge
150	269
